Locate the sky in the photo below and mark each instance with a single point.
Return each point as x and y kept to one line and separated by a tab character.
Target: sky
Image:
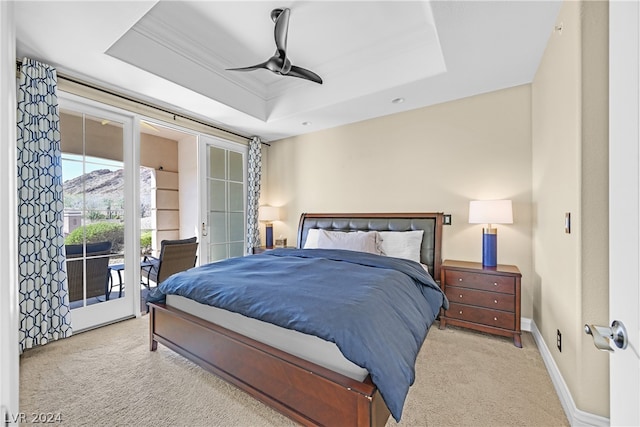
72	165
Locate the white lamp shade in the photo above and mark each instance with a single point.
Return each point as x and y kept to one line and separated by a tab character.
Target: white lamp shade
268	213
490	212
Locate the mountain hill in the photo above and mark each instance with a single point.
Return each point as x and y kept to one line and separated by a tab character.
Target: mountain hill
103	189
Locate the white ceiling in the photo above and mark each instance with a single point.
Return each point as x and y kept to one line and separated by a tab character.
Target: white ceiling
368	53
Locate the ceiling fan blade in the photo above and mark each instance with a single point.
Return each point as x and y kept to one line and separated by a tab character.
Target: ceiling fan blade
282	28
304	74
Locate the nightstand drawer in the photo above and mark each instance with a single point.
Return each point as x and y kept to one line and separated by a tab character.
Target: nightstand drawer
495	318
493	300
485	282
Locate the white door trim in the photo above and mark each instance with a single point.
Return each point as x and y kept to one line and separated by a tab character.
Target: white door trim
624	207
9	350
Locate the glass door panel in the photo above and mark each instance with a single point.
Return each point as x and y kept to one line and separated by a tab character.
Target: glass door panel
236	197
217	162
217	194
236	167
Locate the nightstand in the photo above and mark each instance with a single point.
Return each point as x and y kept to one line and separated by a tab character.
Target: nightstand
484	299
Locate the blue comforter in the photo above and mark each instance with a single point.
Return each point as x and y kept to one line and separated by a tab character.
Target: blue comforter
376	309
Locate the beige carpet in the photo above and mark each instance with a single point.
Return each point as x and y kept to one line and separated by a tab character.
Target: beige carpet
109	377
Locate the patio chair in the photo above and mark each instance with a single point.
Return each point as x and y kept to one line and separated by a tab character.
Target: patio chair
175	256
97	271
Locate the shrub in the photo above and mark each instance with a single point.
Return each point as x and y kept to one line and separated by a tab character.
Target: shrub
145	242
107	231
96	215
99	232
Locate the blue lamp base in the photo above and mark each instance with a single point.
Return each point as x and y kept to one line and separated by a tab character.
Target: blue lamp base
489	247
269	236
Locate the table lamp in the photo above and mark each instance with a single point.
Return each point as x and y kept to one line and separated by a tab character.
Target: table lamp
268	214
490	212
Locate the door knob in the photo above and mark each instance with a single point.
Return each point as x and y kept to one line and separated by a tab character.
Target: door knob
602	336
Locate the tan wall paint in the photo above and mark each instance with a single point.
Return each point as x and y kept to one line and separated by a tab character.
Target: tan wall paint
189	186
156	152
595	206
570	174
431	159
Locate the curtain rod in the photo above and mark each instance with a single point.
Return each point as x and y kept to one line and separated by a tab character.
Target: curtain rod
127	98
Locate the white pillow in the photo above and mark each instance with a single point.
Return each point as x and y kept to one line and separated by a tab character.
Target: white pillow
367	241
402	244
312	239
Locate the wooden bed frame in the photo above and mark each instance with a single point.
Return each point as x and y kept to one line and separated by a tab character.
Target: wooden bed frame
305	392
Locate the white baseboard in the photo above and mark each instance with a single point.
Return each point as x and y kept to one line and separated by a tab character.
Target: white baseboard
575	416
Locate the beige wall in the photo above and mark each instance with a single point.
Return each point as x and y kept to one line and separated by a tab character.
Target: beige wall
157	152
165	208
570	174
189	186
432	159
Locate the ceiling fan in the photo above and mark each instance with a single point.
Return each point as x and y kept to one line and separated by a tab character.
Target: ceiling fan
279	63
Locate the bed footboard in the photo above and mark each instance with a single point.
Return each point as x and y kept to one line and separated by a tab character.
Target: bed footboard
303	391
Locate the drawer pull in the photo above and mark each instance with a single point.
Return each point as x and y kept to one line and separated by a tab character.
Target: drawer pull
495	283
460	295
460	280
495	318
495	301
460	312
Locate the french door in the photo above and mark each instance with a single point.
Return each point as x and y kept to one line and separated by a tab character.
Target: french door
223	198
100	176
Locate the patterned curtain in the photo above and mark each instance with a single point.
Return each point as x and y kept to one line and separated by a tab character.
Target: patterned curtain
253	193
44	300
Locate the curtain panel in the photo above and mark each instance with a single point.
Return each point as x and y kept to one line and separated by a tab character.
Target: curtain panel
254	173
43	289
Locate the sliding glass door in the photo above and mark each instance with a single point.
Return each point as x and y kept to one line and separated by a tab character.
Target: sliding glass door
99	185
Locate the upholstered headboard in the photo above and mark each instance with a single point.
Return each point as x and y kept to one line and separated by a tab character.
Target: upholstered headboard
431	223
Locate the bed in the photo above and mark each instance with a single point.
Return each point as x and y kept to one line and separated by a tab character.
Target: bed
312	388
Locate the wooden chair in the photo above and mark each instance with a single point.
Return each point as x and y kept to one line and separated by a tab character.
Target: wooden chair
97	271
175	256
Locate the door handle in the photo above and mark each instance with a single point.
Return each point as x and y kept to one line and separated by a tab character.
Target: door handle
602	335
204	229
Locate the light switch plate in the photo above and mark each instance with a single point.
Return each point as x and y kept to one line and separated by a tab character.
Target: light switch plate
446	219
567	222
